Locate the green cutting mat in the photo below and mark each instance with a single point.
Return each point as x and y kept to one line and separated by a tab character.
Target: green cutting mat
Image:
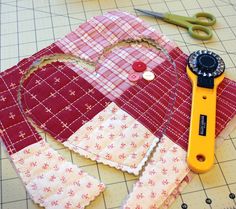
30	25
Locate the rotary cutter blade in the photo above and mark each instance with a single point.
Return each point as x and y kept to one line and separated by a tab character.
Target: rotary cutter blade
206	71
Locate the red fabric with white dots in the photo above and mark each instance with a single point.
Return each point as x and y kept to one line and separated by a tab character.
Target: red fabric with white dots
64	100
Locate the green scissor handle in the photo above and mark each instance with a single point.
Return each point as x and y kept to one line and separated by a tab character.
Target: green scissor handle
211	19
193	24
207	32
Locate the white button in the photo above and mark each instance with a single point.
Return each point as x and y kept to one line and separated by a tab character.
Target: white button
148	76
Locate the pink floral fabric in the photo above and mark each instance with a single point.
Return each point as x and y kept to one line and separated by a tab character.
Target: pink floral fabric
51	181
115	138
165	171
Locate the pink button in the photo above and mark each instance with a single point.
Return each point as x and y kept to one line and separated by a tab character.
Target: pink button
139	66
133	77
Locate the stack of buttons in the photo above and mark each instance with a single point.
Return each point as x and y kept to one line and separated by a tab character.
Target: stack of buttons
139	67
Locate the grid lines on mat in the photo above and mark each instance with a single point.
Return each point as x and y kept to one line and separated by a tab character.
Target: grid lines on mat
29	25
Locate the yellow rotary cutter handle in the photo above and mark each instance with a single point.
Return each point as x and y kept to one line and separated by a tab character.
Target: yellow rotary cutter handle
206	71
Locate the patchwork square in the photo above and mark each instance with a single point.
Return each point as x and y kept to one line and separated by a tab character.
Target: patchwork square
68	105
115	138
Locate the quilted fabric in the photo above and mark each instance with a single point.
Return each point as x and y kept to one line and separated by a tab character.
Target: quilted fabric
95	110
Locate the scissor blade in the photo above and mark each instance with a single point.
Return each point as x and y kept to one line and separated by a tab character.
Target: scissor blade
155	14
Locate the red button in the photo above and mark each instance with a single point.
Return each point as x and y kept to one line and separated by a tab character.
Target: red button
133	77
139	66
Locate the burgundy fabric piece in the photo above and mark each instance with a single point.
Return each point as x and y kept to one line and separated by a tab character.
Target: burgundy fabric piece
60	101
153	118
16	132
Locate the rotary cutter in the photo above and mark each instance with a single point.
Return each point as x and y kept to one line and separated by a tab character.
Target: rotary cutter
206	71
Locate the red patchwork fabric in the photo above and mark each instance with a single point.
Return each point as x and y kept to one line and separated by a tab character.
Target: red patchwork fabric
64	100
16	132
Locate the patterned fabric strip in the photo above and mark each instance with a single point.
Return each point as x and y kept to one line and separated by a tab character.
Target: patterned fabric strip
164	172
51	181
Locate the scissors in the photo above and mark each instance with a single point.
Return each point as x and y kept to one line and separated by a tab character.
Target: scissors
193	24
